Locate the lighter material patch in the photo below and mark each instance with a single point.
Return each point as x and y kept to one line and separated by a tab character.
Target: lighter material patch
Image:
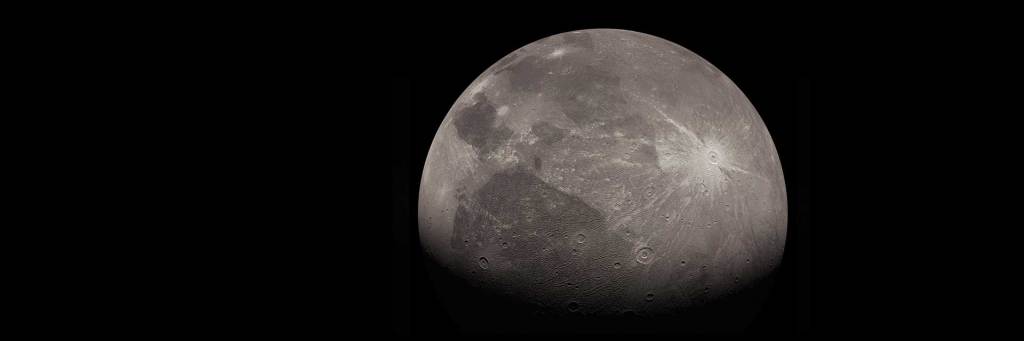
479	87
557	53
504	156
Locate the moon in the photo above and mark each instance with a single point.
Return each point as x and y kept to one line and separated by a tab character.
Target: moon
604	173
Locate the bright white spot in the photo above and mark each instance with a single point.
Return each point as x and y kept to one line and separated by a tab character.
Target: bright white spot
503	110
557	53
529	139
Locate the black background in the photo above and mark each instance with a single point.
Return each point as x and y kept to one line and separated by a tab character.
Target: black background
777	67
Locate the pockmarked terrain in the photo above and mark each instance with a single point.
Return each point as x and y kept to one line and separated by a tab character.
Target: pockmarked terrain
601	173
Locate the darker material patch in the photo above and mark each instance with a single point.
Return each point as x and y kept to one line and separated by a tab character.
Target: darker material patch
515	202
579	39
475	125
547	133
536	163
541	226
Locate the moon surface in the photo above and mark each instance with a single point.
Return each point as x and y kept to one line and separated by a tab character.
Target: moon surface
604	172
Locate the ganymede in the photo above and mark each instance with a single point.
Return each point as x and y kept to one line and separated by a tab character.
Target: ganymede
603	174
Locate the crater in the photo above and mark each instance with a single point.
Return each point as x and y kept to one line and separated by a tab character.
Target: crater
645	255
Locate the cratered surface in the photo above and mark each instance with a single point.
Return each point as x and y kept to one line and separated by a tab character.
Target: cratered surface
604	173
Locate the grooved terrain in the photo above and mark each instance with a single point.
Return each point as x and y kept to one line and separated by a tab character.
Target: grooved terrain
604	172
